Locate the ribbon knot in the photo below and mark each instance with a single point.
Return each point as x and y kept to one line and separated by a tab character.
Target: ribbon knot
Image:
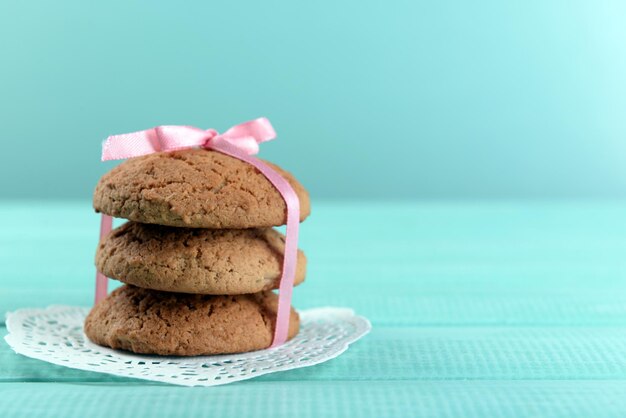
246	137
241	142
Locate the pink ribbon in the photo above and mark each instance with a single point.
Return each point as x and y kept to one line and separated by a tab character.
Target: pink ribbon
241	142
102	282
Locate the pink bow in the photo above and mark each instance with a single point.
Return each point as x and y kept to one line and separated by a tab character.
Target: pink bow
246	137
241	141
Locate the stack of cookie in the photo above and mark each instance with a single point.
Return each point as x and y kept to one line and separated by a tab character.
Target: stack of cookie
198	255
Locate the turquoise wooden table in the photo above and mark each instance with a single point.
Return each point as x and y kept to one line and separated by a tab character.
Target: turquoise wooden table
478	309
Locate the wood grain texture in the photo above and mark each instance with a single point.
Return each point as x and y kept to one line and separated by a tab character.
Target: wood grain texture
526	398
479	309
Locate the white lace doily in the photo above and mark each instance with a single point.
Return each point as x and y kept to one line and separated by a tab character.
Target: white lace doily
55	334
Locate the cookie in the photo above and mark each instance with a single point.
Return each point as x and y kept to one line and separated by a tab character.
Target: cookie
193	260
151	322
195	188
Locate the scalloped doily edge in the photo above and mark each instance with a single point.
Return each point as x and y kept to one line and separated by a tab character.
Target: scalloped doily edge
362	327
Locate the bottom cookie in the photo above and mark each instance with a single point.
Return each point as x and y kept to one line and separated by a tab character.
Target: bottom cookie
153	322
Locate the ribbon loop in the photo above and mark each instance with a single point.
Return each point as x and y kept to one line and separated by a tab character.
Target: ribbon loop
260	130
241	142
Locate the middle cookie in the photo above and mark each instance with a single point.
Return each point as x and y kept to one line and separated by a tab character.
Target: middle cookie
201	261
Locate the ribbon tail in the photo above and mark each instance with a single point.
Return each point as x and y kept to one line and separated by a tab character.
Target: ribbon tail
102	281
290	258
259	130
285	289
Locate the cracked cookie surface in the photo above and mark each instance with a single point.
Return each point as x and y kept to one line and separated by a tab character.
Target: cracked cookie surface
193	260
195	188
151	322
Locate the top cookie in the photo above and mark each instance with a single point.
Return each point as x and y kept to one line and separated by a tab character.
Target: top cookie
195	188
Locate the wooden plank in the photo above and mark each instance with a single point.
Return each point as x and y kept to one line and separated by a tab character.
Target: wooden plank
414	306
428	353
427	264
313	399
508	309
487	247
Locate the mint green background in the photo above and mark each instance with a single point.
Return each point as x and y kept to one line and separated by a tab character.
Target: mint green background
371	99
